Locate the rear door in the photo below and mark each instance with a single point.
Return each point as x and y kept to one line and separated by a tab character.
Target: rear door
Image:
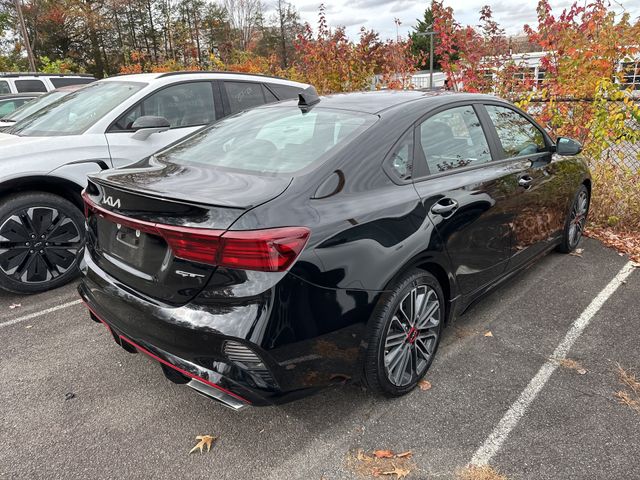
542	189
470	198
188	106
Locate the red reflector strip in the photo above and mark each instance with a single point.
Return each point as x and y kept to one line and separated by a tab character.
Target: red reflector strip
268	250
164	362
195	244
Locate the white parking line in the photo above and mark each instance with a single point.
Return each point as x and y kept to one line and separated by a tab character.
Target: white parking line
494	442
38	314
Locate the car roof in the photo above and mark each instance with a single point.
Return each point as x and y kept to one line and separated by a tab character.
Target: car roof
39	74
376	102
185	75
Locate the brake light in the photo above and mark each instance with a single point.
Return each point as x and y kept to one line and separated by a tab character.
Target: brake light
269	250
196	244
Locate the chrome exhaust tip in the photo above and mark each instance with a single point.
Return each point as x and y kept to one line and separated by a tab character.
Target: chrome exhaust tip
218	395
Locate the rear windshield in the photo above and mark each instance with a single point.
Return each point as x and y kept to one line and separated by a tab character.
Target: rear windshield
270	140
74	113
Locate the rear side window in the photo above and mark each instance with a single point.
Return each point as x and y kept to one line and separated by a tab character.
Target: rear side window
517	134
4	87
268	95
400	162
244	95
66	81
284	91
30	86
270	140
453	139
183	105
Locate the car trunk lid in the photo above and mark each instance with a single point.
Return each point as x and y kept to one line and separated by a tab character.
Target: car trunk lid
145	228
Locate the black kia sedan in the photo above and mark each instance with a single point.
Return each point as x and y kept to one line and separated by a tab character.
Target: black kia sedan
313	242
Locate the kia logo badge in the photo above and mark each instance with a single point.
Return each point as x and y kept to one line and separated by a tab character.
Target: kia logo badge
112	202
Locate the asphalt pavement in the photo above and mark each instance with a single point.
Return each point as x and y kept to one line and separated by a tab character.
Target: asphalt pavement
75	405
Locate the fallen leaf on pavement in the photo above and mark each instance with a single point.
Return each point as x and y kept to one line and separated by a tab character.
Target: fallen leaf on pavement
476	472
205	440
488	334
15	305
383	454
398	472
380	463
570	364
577	252
424	384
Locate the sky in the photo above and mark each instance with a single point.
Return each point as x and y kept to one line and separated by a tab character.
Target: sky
379	14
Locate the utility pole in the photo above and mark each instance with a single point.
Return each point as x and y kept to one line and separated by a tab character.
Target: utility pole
25	36
430	33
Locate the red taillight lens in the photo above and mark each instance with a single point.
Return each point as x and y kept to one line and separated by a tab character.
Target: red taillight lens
195	244
271	250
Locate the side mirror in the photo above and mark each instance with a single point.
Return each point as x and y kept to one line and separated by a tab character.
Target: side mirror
148	125
568	146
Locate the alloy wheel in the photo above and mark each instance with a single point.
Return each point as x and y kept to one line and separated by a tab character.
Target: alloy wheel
38	244
412	336
578	218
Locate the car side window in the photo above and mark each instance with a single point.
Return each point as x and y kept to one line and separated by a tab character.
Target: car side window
268	95
284	91
183	105
244	95
4	87
517	134
400	162
452	139
30	86
66	81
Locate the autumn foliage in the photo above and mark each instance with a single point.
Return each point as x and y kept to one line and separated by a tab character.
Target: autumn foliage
325	58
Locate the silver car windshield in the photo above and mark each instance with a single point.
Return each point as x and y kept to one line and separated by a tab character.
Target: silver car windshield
33	106
74	113
270	139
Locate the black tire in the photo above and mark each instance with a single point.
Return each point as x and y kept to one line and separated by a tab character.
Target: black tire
383	336
576	220
41	239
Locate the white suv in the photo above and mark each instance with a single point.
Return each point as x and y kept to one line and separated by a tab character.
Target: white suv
109	123
39	82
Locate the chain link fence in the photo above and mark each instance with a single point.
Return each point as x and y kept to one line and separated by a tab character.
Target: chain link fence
613	148
621	151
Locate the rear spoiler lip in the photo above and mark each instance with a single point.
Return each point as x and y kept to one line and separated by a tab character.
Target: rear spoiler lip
157	195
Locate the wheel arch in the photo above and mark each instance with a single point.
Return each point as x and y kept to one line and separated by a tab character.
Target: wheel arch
436	265
62	187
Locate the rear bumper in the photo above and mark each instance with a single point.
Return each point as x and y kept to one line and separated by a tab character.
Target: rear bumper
191	341
195	378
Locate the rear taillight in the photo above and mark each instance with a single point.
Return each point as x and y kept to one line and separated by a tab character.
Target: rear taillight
269	250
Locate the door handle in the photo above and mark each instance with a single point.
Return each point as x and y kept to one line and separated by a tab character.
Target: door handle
444	206
525	181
